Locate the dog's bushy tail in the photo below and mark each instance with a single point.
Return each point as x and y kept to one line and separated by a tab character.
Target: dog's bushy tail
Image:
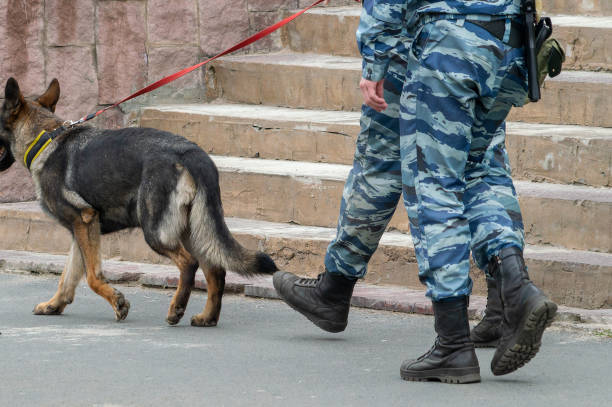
209	236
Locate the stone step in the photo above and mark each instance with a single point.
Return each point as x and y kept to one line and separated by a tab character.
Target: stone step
538	152
332	31
309	194
313	81
586	41
575	7
573	278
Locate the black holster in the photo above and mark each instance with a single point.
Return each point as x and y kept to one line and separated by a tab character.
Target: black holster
529	13
544	55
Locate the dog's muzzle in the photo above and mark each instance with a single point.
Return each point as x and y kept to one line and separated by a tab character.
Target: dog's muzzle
6	156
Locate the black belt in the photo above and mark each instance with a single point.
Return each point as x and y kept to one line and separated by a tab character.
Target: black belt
497	28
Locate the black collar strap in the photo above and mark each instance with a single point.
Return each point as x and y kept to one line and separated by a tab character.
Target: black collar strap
39	144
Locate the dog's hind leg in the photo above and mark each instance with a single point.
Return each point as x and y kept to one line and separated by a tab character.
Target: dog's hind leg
215	284
86	231
188	266
73	272
163	209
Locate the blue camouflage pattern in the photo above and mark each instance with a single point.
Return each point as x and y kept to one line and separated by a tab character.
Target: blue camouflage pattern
384	30
483	7
386	26
375	182
374	185
463	84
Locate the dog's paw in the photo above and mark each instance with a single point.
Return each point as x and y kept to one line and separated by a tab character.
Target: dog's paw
45	308
122	306
175	316
199	320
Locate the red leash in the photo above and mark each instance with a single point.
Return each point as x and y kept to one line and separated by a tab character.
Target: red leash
185	71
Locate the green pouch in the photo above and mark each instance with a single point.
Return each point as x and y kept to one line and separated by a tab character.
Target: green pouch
550	59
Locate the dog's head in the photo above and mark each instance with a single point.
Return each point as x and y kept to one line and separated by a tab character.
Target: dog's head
15	111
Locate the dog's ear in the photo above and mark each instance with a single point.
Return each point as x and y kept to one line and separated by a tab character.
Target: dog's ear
13	99
51	96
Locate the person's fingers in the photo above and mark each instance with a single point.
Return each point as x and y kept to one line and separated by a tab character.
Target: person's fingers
376	105
371	100
366	92
372	93
380	89
375	102
375	95
380	93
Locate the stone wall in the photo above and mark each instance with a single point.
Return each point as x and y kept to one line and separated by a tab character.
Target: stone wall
103	50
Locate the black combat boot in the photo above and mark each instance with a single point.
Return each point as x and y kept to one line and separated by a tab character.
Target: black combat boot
452	359
488	331
526	313
324	300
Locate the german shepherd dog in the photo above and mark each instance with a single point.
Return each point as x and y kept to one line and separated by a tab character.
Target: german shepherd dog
95	181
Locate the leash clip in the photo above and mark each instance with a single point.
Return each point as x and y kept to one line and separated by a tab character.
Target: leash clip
70	123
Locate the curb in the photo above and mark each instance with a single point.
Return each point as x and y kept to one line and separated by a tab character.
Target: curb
384	298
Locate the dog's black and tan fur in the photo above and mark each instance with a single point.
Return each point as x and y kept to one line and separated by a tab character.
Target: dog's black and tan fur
97	181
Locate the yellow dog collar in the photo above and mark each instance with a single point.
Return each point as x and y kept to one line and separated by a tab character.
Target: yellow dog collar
39	144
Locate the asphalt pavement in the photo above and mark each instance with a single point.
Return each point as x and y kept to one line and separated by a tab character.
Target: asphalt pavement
261	354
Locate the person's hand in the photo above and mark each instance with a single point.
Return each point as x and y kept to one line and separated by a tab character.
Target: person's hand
373	94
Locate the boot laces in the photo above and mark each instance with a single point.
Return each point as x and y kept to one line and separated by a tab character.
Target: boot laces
430	351
309	282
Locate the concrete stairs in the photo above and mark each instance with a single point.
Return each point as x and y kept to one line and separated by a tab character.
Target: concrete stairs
281	128
578	7
328	82
564	154
332	32
293	118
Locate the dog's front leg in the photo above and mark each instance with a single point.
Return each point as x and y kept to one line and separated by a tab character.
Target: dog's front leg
86	231
73	272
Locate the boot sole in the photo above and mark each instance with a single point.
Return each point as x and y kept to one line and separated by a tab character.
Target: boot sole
324	324
452	376
527	341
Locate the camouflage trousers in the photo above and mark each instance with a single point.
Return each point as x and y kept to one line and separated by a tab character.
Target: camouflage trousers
374	185
378	177
456	176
